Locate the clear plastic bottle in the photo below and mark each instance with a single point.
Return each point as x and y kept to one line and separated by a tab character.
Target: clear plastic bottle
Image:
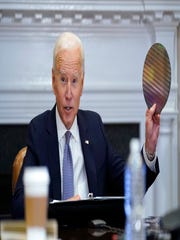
134	184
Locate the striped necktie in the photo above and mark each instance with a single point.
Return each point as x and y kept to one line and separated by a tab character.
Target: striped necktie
68	179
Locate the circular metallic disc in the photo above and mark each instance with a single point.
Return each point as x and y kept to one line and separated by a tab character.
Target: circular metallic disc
156	77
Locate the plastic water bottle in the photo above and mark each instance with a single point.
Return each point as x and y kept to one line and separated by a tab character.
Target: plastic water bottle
134	192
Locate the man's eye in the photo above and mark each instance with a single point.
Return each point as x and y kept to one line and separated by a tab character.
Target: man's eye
63	80
74	81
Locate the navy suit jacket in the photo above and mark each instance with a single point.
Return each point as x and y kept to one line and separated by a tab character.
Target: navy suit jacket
104	168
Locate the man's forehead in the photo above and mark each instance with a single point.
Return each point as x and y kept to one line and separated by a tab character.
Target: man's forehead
63	64
65	57
74	72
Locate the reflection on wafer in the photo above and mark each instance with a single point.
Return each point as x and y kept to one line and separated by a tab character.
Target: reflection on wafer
156	77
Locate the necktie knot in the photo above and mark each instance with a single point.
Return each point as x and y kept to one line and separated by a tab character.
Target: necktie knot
68	135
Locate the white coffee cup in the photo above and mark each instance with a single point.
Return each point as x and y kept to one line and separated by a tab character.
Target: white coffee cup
36	185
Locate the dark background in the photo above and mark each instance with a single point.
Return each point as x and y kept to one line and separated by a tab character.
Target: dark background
13	138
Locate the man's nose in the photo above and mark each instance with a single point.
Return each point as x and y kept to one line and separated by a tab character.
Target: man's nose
68	90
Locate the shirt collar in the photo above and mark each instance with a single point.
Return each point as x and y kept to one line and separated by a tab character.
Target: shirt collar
61	129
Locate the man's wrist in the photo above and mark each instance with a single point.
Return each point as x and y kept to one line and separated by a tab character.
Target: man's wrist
150	163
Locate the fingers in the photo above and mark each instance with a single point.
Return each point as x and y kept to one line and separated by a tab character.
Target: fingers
151	110
156	119
74	198
152	129
151	114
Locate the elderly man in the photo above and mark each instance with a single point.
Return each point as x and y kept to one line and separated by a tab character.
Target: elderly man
94	167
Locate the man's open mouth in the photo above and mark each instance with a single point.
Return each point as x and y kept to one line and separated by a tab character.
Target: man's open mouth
68	108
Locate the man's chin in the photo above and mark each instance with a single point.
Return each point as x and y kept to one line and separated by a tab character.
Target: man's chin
68	123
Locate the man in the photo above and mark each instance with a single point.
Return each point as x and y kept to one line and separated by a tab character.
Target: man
96	167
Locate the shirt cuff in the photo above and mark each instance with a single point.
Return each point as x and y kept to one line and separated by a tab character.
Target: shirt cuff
151	164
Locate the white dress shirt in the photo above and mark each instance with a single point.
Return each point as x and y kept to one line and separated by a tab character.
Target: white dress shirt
80	177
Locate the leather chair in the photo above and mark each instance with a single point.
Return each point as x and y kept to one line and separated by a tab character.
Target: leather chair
17	164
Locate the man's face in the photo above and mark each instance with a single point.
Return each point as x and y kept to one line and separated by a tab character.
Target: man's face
67	82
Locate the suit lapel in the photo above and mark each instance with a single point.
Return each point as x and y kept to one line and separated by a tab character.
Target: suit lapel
53	156
89	160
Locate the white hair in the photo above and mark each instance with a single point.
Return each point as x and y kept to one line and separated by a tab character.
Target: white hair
68	40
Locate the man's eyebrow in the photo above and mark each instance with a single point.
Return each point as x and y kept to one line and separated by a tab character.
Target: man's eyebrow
62	72
76	74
